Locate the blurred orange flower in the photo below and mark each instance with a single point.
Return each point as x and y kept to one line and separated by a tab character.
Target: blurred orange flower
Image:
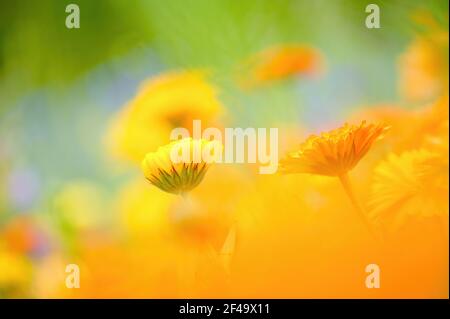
20	235
423	68
280	62
414	183
426	126
143	211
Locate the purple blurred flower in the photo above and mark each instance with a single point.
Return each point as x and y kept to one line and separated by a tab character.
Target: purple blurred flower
23	188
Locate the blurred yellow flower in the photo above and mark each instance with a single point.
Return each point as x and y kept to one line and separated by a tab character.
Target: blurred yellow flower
15	273
143	212
182	176
165	102
412	183
333	153
423	68
280	62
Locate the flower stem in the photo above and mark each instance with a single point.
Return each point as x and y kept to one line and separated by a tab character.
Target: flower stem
227	251
186	199
346	184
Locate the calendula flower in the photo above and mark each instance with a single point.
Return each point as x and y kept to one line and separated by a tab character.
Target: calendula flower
280	62
163	103
412	183
333	153
180	166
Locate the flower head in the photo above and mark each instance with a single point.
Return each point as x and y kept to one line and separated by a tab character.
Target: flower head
412	183
180	166
333	153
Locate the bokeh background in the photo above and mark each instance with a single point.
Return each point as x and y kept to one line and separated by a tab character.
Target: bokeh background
72	190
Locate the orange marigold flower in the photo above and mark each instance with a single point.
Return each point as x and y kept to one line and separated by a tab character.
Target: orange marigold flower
280	62
333	153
